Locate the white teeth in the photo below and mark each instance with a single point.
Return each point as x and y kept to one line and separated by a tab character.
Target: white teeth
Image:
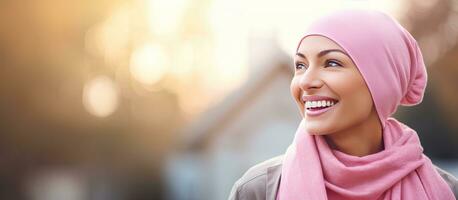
316	104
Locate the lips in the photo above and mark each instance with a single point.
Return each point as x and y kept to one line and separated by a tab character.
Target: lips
306	98
314	113
316	105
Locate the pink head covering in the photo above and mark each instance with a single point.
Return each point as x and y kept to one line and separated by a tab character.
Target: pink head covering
387	56
392	66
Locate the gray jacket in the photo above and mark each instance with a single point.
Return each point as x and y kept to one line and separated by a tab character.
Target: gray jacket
261	181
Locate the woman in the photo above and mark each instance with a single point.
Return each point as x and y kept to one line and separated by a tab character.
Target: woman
353	68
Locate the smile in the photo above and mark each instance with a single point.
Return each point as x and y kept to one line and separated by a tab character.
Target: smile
315	108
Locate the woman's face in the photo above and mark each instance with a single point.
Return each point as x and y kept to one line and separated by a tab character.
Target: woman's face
324	72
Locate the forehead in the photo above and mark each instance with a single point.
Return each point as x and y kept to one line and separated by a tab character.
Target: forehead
316	43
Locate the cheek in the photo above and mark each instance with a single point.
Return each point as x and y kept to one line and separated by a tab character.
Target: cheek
348	86
355	98
294	88
295	93
355	103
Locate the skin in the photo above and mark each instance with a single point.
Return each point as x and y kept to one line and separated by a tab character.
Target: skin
352	126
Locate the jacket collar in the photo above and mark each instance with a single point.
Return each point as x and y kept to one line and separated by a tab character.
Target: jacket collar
273	181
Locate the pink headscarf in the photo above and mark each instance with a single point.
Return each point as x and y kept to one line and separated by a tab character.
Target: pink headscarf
392	66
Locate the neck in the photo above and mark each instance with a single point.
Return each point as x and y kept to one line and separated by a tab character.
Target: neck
360	140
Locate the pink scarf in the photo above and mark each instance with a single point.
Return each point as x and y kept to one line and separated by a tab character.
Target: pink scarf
391	63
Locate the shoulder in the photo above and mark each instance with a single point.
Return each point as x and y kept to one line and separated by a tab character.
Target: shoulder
449	179
257	180
252	185
260	169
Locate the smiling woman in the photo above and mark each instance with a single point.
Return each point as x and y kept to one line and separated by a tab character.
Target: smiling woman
353	68
327	73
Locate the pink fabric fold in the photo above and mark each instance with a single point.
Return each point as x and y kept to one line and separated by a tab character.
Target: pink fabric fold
312	170
392	66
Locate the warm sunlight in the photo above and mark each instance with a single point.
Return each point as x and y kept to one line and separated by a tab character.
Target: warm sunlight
165	15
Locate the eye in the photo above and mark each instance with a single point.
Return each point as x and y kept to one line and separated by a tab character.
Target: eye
333	63
300	66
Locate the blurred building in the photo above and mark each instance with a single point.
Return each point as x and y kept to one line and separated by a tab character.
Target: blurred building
250	125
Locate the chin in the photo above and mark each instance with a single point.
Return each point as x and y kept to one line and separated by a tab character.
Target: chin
316	129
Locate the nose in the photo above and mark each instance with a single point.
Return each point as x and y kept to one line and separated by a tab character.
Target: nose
311	80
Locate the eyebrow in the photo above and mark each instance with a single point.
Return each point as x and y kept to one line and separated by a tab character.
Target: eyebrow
324	52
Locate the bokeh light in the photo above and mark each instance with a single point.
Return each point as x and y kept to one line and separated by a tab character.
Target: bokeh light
148	64
100	96
165	16
110	38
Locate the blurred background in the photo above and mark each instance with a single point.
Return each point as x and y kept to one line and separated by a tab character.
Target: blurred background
176	99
